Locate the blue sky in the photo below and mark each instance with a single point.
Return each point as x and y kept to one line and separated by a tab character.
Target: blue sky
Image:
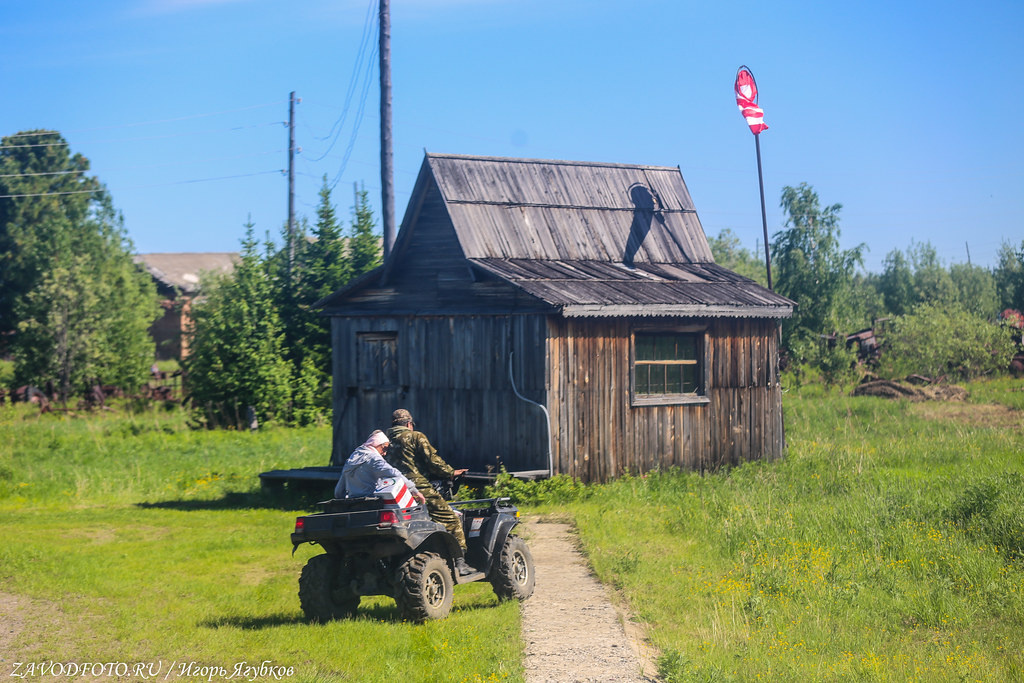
906	113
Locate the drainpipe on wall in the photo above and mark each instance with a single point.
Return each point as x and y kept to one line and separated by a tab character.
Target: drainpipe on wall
547	416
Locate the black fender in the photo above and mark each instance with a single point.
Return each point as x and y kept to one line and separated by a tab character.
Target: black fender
496	541
440	542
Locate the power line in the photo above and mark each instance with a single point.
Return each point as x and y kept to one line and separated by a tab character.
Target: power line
357	122
139	187
149	137
34	175
364	60
146	166
154	122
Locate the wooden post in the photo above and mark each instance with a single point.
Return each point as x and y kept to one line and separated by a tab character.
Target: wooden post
764	216
386	157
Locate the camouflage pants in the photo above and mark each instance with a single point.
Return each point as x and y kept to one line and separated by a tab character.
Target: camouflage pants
441	512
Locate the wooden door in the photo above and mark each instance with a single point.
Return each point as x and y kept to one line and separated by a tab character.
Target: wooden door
377	380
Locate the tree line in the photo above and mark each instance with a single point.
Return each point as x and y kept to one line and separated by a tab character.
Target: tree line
258	348
961	321
75	309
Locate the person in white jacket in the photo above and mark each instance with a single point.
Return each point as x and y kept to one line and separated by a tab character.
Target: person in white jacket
366	466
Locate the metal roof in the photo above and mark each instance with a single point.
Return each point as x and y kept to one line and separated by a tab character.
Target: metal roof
184	270
601	289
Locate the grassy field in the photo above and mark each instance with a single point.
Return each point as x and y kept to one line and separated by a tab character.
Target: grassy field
887	546
134	539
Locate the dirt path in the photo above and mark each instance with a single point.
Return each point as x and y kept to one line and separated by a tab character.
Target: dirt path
573	633
13	608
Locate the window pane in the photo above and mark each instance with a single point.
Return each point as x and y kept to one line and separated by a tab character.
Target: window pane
657	379
688	348
644	347
689	379
643	379
673	379
666	348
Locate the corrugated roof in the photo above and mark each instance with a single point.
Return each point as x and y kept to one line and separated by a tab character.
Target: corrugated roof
591	288
184	270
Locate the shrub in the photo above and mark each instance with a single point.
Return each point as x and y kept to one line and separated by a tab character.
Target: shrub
992	510
938	340
560	488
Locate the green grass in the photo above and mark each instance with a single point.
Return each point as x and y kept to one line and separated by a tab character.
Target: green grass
139	540
885	547
6	373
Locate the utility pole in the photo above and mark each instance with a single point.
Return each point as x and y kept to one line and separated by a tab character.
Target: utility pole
387	180
291	181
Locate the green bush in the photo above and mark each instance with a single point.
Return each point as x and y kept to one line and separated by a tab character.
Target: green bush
944	341
560	488
838	364
992	511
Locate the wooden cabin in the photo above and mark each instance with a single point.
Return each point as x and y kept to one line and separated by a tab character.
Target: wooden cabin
177	277
562	316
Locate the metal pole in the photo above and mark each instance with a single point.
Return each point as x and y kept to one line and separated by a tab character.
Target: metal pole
386	156
291	180
764	216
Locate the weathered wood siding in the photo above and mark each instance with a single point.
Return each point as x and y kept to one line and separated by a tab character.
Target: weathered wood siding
452	373
599	435
431	276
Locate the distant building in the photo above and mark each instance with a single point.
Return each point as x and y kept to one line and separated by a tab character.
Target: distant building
585	288
177	277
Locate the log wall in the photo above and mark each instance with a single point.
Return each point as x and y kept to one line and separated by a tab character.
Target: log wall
452	374
599	435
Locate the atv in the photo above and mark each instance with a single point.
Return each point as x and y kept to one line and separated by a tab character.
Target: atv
375	546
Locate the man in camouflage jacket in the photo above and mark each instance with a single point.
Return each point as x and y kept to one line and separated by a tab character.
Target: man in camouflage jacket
414	456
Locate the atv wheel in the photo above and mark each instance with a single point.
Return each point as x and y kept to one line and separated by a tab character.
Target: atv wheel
512	576
425	588
324	593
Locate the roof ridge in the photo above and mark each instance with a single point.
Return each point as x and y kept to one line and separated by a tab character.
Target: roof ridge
559	162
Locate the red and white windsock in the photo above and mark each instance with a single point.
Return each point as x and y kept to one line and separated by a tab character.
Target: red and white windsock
746	100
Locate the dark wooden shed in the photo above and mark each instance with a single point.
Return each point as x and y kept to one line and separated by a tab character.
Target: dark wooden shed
564	315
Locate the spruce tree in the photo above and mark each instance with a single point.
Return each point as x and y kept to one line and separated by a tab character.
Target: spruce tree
323	268
236	347
364	245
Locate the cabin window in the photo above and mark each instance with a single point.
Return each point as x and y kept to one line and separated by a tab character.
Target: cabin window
669	367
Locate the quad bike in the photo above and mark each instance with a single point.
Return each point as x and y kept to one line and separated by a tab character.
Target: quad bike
375	546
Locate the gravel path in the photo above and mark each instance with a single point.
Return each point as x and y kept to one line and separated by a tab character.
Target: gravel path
572	631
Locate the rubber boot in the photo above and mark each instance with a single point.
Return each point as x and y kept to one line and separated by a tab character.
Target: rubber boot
462	568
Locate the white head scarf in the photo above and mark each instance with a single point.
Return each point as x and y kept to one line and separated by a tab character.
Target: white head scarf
377	438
